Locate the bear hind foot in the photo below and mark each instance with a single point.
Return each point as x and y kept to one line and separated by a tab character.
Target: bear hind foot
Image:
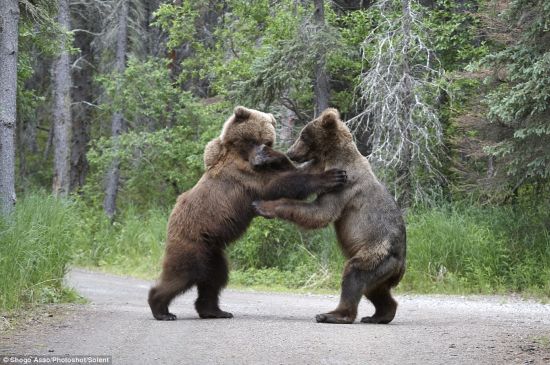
165	316
215	314
377	319
335	318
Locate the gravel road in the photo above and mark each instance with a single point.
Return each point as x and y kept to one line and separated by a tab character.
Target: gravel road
279	328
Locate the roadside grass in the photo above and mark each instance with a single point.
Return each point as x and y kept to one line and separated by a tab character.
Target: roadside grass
461	249
132	245
455	249
35	249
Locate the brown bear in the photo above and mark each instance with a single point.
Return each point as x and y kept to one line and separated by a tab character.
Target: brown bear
241	167
369	225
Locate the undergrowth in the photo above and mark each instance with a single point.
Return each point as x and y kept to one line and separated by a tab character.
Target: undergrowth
451	249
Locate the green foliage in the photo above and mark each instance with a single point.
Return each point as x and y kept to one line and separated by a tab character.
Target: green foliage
178	21
455	33
156	163
147	96
155	166
285	71
344	62
256	54
275	248
36	245
522	101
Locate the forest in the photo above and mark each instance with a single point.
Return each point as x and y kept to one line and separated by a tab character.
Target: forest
106	106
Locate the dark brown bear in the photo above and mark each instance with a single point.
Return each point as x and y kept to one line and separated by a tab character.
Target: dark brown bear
218	209
368	222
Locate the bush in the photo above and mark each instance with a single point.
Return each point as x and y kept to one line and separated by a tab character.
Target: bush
451	249
277	253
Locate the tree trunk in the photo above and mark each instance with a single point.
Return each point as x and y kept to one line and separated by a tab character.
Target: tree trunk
109	204
9	18
82	95
81	134
62	108
321	84
404	169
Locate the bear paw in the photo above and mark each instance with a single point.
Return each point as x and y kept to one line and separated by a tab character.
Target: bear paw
376	320
165	317
215	314
333	318
264	209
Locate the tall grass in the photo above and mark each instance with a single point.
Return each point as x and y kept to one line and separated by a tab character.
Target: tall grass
482	250
35	248
132	245
451	249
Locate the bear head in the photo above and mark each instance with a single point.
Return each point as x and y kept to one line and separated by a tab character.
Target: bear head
245	131
320	138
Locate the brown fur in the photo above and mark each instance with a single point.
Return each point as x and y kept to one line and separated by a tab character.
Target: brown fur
240	167
368	222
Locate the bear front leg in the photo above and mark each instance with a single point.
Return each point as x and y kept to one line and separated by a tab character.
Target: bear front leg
318	214
265	157
299	185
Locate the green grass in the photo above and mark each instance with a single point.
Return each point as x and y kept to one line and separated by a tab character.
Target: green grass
479	250
134	245
451	249
35	249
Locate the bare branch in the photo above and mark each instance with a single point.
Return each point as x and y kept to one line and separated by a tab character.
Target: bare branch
398	89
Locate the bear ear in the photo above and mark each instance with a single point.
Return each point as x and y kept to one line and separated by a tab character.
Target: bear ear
241	114
329	118
212	153
272	120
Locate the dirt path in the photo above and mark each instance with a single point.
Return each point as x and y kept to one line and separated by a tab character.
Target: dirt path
274	328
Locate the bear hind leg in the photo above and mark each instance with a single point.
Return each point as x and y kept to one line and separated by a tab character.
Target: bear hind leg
384	304
378	290
352	290
162	294
207	303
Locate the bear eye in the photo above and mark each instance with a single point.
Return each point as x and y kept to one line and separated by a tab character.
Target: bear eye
269	144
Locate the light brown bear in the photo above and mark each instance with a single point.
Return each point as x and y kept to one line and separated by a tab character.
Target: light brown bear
368	222
241	167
